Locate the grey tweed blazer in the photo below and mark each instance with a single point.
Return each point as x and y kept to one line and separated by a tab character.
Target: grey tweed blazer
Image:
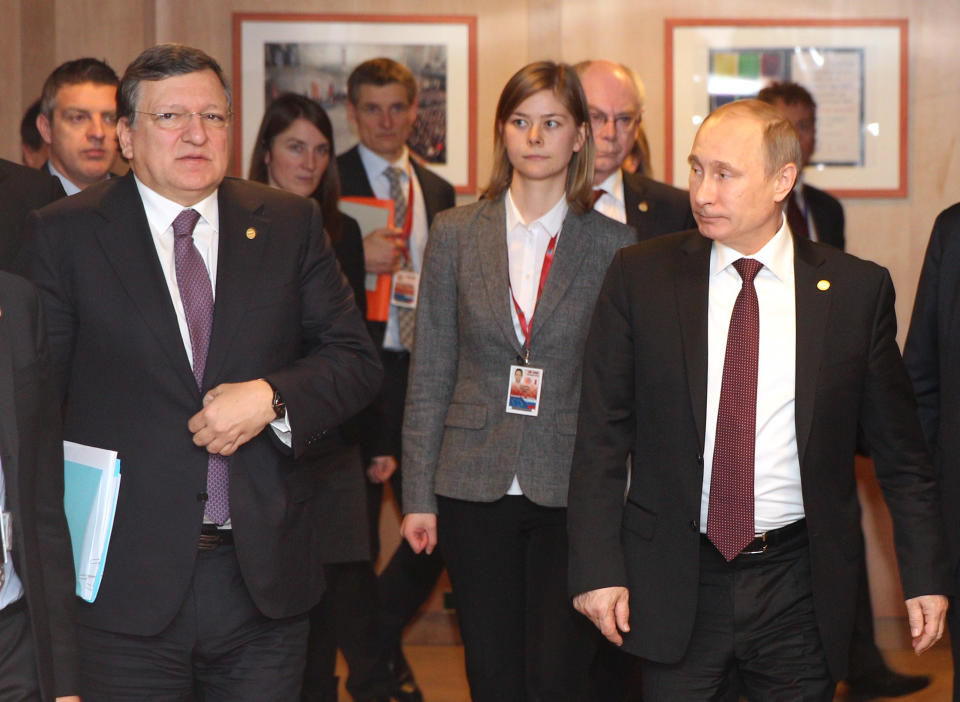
457	439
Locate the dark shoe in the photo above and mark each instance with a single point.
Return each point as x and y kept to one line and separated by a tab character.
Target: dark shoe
406	688
886	683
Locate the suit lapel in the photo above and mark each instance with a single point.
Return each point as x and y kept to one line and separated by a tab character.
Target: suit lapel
490	238
693	295
9	446
126	241
238	271
573	247
633	192
813	308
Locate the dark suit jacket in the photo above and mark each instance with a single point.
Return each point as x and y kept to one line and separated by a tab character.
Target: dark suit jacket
283	312
644	388
827	215
654	208
32	455
931	354
21	189
438	195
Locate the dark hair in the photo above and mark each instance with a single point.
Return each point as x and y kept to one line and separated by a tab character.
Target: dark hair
278	116
29	134
381	71
81	70
562	80
789	94
159	62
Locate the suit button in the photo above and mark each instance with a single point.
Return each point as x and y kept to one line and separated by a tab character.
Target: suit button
694	526
699	459
202	497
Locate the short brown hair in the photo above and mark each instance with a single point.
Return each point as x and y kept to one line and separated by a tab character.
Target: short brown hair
81	70
781	145
788	93
381	71
562	80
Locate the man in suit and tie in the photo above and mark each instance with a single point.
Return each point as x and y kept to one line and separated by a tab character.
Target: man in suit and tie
382	105
811	212
78	121
38	647
931	353
22	189
201	327
616	108
736	363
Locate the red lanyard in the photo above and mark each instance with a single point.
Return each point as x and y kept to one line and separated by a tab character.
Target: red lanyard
525	325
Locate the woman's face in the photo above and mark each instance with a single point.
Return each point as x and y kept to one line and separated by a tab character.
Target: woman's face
298	158
541	136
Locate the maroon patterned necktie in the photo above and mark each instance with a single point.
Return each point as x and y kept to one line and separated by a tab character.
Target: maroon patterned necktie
196	294
796	218
730	514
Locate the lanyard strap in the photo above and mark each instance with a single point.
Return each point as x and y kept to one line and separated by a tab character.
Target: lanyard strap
525	326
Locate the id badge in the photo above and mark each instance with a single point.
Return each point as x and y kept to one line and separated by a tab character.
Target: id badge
406	285
523	390
6	531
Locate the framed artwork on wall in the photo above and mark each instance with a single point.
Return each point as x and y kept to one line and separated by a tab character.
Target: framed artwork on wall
313	54
856	71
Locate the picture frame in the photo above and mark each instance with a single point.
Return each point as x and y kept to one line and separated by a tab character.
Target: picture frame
313	54
857	71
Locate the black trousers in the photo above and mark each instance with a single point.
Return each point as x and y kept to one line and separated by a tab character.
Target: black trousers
755	627
522	639
18	667
408	579
218	648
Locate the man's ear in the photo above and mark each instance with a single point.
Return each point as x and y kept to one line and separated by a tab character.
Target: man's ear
45	128
784	181
125	137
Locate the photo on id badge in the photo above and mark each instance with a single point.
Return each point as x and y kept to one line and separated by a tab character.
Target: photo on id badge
523	391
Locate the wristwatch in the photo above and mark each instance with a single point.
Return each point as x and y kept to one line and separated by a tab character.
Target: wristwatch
279	406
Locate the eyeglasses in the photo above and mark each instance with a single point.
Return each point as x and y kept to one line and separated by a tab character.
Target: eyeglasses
621	123
179	120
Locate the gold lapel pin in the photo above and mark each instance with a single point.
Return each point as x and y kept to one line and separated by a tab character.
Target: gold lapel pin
643	206
251	233
823	285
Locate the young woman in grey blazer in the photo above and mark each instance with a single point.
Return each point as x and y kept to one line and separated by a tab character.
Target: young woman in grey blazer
505	298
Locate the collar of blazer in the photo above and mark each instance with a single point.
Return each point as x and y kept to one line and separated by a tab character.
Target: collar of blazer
692	288
490	238
125	238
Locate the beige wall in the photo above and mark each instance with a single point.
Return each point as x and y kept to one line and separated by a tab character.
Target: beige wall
35	35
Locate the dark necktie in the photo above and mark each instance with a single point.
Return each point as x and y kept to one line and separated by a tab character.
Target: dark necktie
406	317
730	514
796	219
196	294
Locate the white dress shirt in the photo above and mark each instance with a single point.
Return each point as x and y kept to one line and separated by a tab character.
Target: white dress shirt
68	187
612	203
375	165
12	588
526	247
778	500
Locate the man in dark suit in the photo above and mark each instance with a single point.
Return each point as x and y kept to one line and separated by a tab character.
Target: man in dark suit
22	189
616	108
811	212
201	327
38	647
737	363
382	105
931	353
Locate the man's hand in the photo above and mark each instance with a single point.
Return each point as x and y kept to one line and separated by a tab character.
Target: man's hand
926	614
608	609
383	250
420	531
381	468
232	414
71	698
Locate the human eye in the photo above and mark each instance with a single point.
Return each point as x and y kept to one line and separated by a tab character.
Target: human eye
110	118
167	119
214	119
624	122
552	123
323	150
295	146
369	109
598	118
74	117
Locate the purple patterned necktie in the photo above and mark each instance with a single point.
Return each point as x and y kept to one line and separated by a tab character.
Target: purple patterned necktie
730	514
196	294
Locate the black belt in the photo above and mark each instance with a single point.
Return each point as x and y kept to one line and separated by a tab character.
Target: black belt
211	537
772	538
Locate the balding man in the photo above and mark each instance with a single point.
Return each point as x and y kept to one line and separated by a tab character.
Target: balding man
734	554
616	106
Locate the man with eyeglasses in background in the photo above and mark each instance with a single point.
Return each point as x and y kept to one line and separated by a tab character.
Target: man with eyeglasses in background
616	107
200	327
78	121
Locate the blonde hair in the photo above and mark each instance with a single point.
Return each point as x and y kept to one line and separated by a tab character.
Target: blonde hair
562	80
781	145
